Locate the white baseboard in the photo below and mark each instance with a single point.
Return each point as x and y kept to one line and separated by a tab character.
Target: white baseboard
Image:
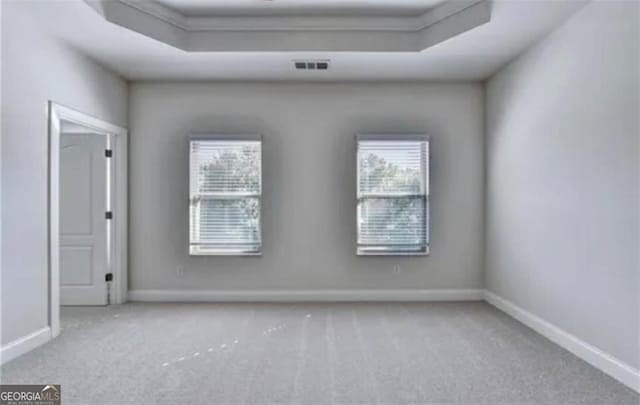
591	354
304	296
24	344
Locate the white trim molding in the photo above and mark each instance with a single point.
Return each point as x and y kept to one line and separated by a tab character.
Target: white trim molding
119	137
273	32
275	22
304	296
24	344
610	365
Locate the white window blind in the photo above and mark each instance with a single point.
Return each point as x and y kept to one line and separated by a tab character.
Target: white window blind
225	185
393	195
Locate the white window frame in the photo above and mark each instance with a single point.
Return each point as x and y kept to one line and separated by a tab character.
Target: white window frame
193	251
363	251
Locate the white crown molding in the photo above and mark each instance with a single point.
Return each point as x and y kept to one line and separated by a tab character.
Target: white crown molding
610	365
24	344
295	34
158	11
445	10
299	23
304	296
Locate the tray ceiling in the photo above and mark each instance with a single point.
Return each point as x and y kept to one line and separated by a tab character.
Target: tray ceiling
199	8
472	55
312	31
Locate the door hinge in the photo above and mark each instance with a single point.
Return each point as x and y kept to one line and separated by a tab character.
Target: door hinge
108	153
108	278
108	215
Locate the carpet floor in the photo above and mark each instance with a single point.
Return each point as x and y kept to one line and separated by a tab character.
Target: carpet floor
396	353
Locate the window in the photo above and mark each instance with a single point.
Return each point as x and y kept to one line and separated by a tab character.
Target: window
225	188
393	195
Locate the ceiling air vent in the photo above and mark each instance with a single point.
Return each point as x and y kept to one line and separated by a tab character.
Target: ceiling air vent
311	64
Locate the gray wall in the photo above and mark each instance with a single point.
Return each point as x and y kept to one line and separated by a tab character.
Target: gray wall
309	183
563	178
35	69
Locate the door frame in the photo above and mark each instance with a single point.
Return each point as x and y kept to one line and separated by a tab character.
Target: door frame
119	205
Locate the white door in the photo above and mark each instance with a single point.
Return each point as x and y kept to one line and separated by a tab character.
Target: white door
83	226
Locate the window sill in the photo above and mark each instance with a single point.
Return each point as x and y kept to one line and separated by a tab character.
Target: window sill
205	252
367	252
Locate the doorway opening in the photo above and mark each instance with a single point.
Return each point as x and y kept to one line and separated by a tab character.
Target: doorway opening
87	211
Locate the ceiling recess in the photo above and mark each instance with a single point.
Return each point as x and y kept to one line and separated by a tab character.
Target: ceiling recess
304	33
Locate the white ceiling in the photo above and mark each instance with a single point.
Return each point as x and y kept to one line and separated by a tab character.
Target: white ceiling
473	55
300	33
299	7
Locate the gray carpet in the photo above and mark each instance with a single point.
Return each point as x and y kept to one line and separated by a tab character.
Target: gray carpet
462	353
